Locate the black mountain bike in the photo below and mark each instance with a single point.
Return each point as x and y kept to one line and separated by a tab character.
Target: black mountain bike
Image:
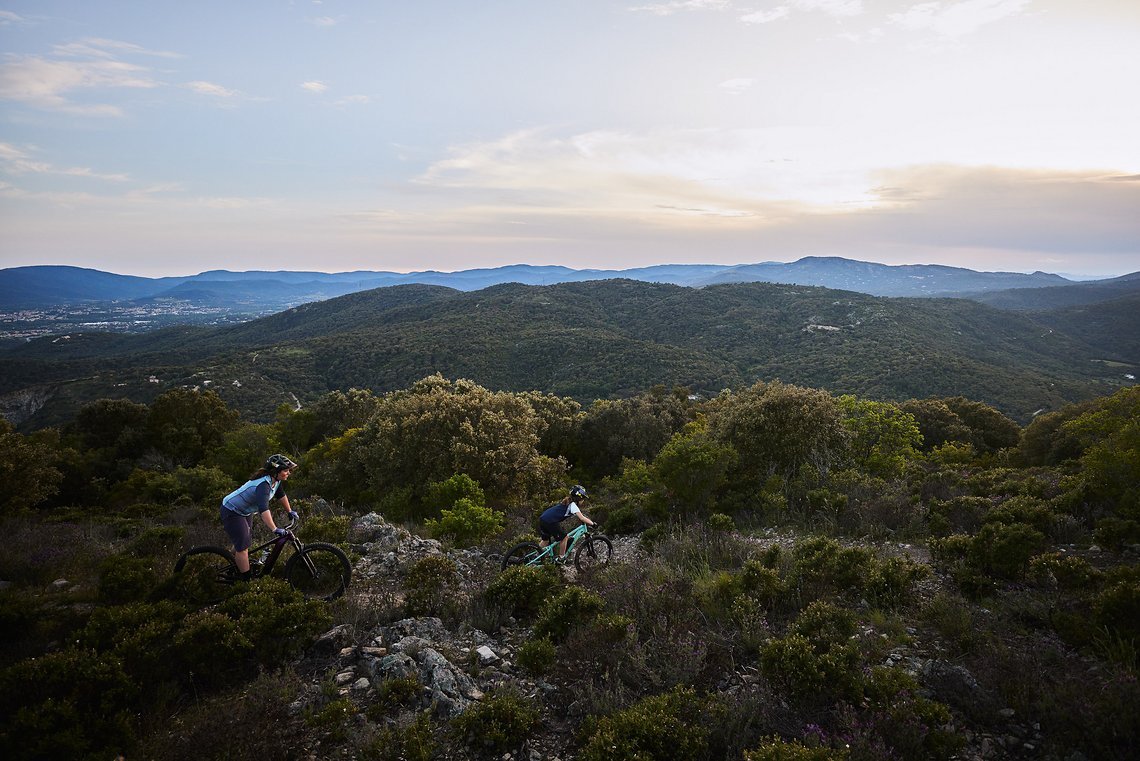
318	570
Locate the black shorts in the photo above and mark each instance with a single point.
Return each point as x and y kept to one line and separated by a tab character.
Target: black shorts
551	531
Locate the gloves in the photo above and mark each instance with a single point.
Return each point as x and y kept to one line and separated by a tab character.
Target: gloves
280	531
293	514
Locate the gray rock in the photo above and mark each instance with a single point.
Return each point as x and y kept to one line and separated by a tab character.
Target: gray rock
487	656
334	640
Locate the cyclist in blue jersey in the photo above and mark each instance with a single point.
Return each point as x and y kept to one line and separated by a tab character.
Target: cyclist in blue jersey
549	523
254	496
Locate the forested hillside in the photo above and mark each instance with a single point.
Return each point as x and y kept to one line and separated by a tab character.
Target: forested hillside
796	575
602	339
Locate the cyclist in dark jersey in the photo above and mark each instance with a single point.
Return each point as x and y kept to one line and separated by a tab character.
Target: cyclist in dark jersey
252	497
549	523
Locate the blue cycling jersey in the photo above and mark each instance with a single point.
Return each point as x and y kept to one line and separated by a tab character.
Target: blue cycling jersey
253	496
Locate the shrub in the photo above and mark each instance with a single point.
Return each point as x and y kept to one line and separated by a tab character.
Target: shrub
206	639
523	590
889	582
440	494
658	727
571	607
1114	533
763	583
1068	572
961	514
332	529
124	579
537	655
330	719
1023	509
428	584
1004	550
72	703
721	522
1117	608
776	749
276	617
466	523
500	722
392	693
413	742
159	541
794	663
824	625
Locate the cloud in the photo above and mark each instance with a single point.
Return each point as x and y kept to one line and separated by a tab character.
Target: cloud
15	161
324	21
956	19
680	6
88	65
46	84
351	100
7	18
764	17
212	89
314	87
737	86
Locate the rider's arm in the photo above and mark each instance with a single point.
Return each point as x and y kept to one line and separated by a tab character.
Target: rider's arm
582	517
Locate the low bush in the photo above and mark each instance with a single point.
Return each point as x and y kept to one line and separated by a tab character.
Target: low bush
536	655
124	579
466	523
573	606
500	722
776	749
794	663
392	694
1067	572
664	726
523	590
824	625
411	742
428	584
1003	550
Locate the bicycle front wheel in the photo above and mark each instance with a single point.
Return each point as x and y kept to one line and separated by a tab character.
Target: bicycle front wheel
205	574
523	553
595	553
320	571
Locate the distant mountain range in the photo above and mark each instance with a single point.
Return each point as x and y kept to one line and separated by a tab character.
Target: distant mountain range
260	292
595	340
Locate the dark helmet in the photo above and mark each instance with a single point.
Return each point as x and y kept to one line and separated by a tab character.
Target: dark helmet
577	492
279	462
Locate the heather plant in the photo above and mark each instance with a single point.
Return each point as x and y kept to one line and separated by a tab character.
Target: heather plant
656	728
1115	533
523	590
825	625
414	741
323	527
571	607
1117	608
777	749
536	656
500	722
764	583
1066	572
124	579
794	663
394	693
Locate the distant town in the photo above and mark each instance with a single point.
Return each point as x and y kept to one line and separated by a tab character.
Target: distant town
26	324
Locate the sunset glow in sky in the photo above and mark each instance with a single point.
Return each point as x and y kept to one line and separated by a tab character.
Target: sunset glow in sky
167	137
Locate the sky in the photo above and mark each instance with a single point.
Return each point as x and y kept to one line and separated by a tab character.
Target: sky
168	137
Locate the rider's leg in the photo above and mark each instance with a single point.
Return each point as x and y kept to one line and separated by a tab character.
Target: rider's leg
242	560
562	546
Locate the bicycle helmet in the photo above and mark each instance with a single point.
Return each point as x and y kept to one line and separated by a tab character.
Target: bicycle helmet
279	462
577	492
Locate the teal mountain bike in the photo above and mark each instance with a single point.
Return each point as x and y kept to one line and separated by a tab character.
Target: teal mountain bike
589	550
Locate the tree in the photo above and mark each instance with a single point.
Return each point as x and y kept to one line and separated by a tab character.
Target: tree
439	427
779	429
339	411
937	423
1109	472
883	437
119	425
991	429
634	428
185	425
27	470
693	466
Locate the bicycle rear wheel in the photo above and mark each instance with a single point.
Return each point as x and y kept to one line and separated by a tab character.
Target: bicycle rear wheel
523	553
205	574
320	571
595	553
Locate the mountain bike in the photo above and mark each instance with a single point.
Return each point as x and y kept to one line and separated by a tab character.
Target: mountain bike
590	551
319	571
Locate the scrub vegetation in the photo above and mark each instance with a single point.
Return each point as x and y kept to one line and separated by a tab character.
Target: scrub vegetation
818	576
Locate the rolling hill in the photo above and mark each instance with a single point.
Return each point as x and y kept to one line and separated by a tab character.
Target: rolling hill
595	339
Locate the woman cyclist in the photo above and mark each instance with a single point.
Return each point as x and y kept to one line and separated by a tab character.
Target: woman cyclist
549	523
254	496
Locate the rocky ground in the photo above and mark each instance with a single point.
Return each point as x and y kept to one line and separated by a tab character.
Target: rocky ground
458	666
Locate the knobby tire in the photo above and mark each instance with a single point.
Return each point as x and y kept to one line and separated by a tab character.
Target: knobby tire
205	574
521	554
319	572
593	554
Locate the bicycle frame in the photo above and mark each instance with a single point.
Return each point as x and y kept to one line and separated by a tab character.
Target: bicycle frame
274	546
548	550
